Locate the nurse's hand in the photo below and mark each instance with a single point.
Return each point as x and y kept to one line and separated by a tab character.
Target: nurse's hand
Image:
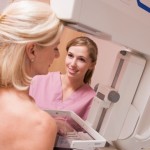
63	126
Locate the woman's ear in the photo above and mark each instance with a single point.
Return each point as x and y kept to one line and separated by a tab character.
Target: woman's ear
30	50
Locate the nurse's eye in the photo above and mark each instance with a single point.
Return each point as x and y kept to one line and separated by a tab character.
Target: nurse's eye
70	55
82	59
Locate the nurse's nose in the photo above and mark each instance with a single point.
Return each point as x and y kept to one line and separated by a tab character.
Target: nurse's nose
74	62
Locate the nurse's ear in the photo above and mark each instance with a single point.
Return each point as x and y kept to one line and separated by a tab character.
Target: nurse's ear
92	66
30	51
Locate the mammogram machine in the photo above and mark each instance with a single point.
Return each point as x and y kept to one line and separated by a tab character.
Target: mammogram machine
120	110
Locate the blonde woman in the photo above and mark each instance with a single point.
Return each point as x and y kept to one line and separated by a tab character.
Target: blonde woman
29	35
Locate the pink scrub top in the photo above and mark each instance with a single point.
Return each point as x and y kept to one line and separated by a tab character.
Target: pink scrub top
47	92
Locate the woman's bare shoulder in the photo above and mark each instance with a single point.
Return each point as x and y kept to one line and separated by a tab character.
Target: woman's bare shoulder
33	124
45	127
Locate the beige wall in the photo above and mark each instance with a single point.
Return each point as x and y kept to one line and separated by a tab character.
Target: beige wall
59	63
108	52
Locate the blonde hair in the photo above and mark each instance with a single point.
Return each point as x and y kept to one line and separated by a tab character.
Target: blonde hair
23	22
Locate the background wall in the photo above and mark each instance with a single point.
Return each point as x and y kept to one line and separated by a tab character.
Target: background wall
106	58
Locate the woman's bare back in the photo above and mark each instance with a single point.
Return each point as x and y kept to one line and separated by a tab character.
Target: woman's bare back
23	126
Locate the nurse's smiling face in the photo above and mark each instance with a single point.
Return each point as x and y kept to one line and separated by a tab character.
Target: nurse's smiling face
78	62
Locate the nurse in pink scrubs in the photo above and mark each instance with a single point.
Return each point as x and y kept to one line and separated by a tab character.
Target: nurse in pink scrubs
70	91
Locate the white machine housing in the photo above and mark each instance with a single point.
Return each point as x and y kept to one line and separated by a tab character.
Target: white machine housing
121	21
